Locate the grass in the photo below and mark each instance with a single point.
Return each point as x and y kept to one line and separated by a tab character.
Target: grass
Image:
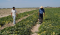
51	22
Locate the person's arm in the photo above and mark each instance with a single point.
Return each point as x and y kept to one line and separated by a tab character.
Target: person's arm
44	12
38	13
16	13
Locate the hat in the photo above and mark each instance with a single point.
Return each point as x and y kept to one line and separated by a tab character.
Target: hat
41	7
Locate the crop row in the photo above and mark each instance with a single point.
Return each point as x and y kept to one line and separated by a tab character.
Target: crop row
21	28
51	24
8	19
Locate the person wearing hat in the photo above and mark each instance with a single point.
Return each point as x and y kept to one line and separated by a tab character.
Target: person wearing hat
40	13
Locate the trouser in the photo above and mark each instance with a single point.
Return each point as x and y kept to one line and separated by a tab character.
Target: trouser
41	18
14	19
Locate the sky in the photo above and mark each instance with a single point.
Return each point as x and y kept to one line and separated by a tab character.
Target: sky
28	3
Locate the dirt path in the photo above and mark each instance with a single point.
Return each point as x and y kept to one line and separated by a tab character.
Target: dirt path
35	29
11	24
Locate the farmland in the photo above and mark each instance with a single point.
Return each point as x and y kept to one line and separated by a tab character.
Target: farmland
6	12
50	25
9	18
23	27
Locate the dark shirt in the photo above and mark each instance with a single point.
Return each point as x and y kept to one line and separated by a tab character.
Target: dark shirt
41	11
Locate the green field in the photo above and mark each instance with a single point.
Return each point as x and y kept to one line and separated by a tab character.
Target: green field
22	27
8	19
50	25
51	22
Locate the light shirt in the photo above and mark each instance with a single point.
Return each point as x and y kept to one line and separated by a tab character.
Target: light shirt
41	11
13	12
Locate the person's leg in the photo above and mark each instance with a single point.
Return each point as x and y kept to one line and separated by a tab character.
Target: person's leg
14	19
41	18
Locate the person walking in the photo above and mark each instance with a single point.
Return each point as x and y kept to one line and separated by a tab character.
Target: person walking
13	14
40	13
